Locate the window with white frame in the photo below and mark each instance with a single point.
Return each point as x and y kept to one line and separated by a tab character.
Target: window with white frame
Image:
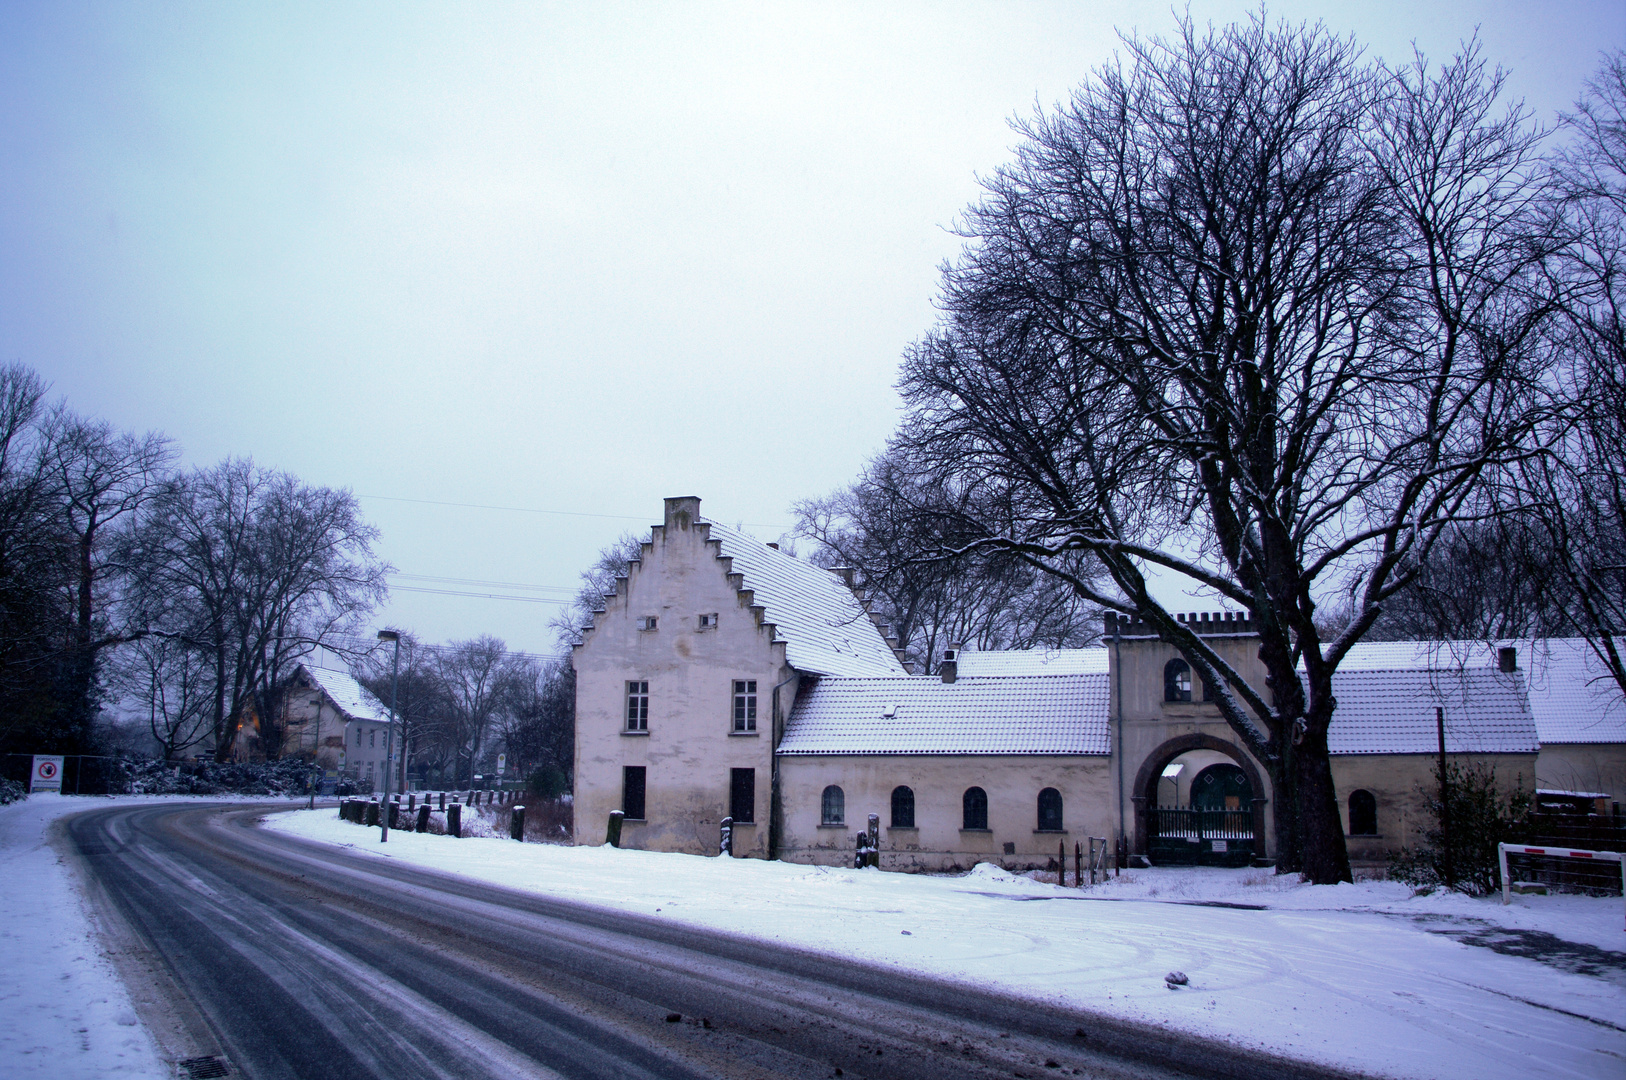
708	621
637	706
745	704
647	622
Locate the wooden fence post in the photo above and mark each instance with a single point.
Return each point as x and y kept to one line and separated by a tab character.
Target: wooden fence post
1078	870
612	836
516	823
454	821
423	816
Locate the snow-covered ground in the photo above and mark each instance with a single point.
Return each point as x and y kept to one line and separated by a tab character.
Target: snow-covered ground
1366	975
64	1013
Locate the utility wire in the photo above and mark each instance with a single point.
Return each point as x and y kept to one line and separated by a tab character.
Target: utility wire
562	513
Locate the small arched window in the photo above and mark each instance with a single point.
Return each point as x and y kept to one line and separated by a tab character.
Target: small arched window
1177	680
1050	810
974	807
1363	814
833	806
903	808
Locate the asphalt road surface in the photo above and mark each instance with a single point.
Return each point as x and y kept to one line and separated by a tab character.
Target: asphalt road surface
284	958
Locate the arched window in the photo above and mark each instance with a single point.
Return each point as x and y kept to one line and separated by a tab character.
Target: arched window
1050	810
1363	814
974	806
832	806
1177	680
903	808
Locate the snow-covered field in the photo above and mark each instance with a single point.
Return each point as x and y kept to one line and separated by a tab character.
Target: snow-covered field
1366	976
64	1013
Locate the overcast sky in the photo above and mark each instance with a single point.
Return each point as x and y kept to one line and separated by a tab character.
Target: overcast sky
567	259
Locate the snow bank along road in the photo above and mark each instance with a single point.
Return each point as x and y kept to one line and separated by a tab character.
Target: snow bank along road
294	959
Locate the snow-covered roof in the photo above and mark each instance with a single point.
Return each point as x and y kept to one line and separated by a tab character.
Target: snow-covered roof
1572	697
1392	712
347	695
825	629
1033	662
1035	714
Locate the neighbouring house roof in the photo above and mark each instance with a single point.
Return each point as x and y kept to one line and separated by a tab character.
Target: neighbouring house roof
1091	661
1393	712
825	629
1572	697
1035	714
347	695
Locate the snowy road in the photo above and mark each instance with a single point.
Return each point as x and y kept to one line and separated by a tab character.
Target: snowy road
303	960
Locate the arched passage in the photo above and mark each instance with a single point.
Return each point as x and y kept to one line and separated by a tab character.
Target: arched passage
1144	792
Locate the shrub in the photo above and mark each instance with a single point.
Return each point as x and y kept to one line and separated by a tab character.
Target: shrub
548	782
11	791
1480	818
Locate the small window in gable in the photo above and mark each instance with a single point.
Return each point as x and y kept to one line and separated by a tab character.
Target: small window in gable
1177	680
833	806
647	622
708	621
1363	814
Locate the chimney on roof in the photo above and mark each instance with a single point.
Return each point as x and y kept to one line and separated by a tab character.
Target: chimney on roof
1507	658
949	669
773	545
845	573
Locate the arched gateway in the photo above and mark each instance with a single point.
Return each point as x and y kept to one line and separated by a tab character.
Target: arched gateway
1231	833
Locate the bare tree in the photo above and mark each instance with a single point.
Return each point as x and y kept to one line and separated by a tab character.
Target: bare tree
536	724
477	677
1248	310
36	574
168	682
597	581
895	528
102	478
255	569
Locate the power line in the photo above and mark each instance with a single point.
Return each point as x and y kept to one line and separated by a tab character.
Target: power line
481	596
481	581
561	513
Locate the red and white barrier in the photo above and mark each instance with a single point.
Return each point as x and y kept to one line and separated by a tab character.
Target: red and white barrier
1502	851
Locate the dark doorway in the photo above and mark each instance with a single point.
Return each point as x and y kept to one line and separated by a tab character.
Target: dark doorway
742	795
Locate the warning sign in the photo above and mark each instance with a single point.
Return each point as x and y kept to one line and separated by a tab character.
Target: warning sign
47	774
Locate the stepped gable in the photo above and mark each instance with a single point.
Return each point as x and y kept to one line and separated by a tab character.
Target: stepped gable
1392	712
1203	623
825	628
347	695
1092	661
1035	714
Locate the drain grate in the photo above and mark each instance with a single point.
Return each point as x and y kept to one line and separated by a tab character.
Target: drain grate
203	1068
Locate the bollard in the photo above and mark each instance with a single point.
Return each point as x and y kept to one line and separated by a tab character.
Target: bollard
725	844
412	803
395	814
443	800
862	849
454	821
516	823
423	816
1078	868
613	835
342	804
1061	862
372	812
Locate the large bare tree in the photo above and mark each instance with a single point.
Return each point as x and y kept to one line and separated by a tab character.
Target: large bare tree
1253	311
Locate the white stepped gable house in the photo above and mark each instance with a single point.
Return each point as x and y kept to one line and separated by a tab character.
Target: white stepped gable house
725	678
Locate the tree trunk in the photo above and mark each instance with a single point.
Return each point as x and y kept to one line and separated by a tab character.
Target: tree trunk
1325	858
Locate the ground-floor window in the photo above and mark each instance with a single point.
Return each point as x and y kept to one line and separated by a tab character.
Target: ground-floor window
742	795
1050	810
833	806
632	792
903	808
974	809
1363	814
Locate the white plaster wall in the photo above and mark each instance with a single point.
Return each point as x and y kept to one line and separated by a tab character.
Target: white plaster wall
1400	784
689	748
1583	767
939	782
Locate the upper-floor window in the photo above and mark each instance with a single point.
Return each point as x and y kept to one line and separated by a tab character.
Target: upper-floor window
903	807
1363	814
638	706
1050	810
708	621
647	622
745	704
832	806
372	738
974	809
1177	680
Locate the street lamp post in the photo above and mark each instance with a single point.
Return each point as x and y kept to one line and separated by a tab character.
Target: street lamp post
389	737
